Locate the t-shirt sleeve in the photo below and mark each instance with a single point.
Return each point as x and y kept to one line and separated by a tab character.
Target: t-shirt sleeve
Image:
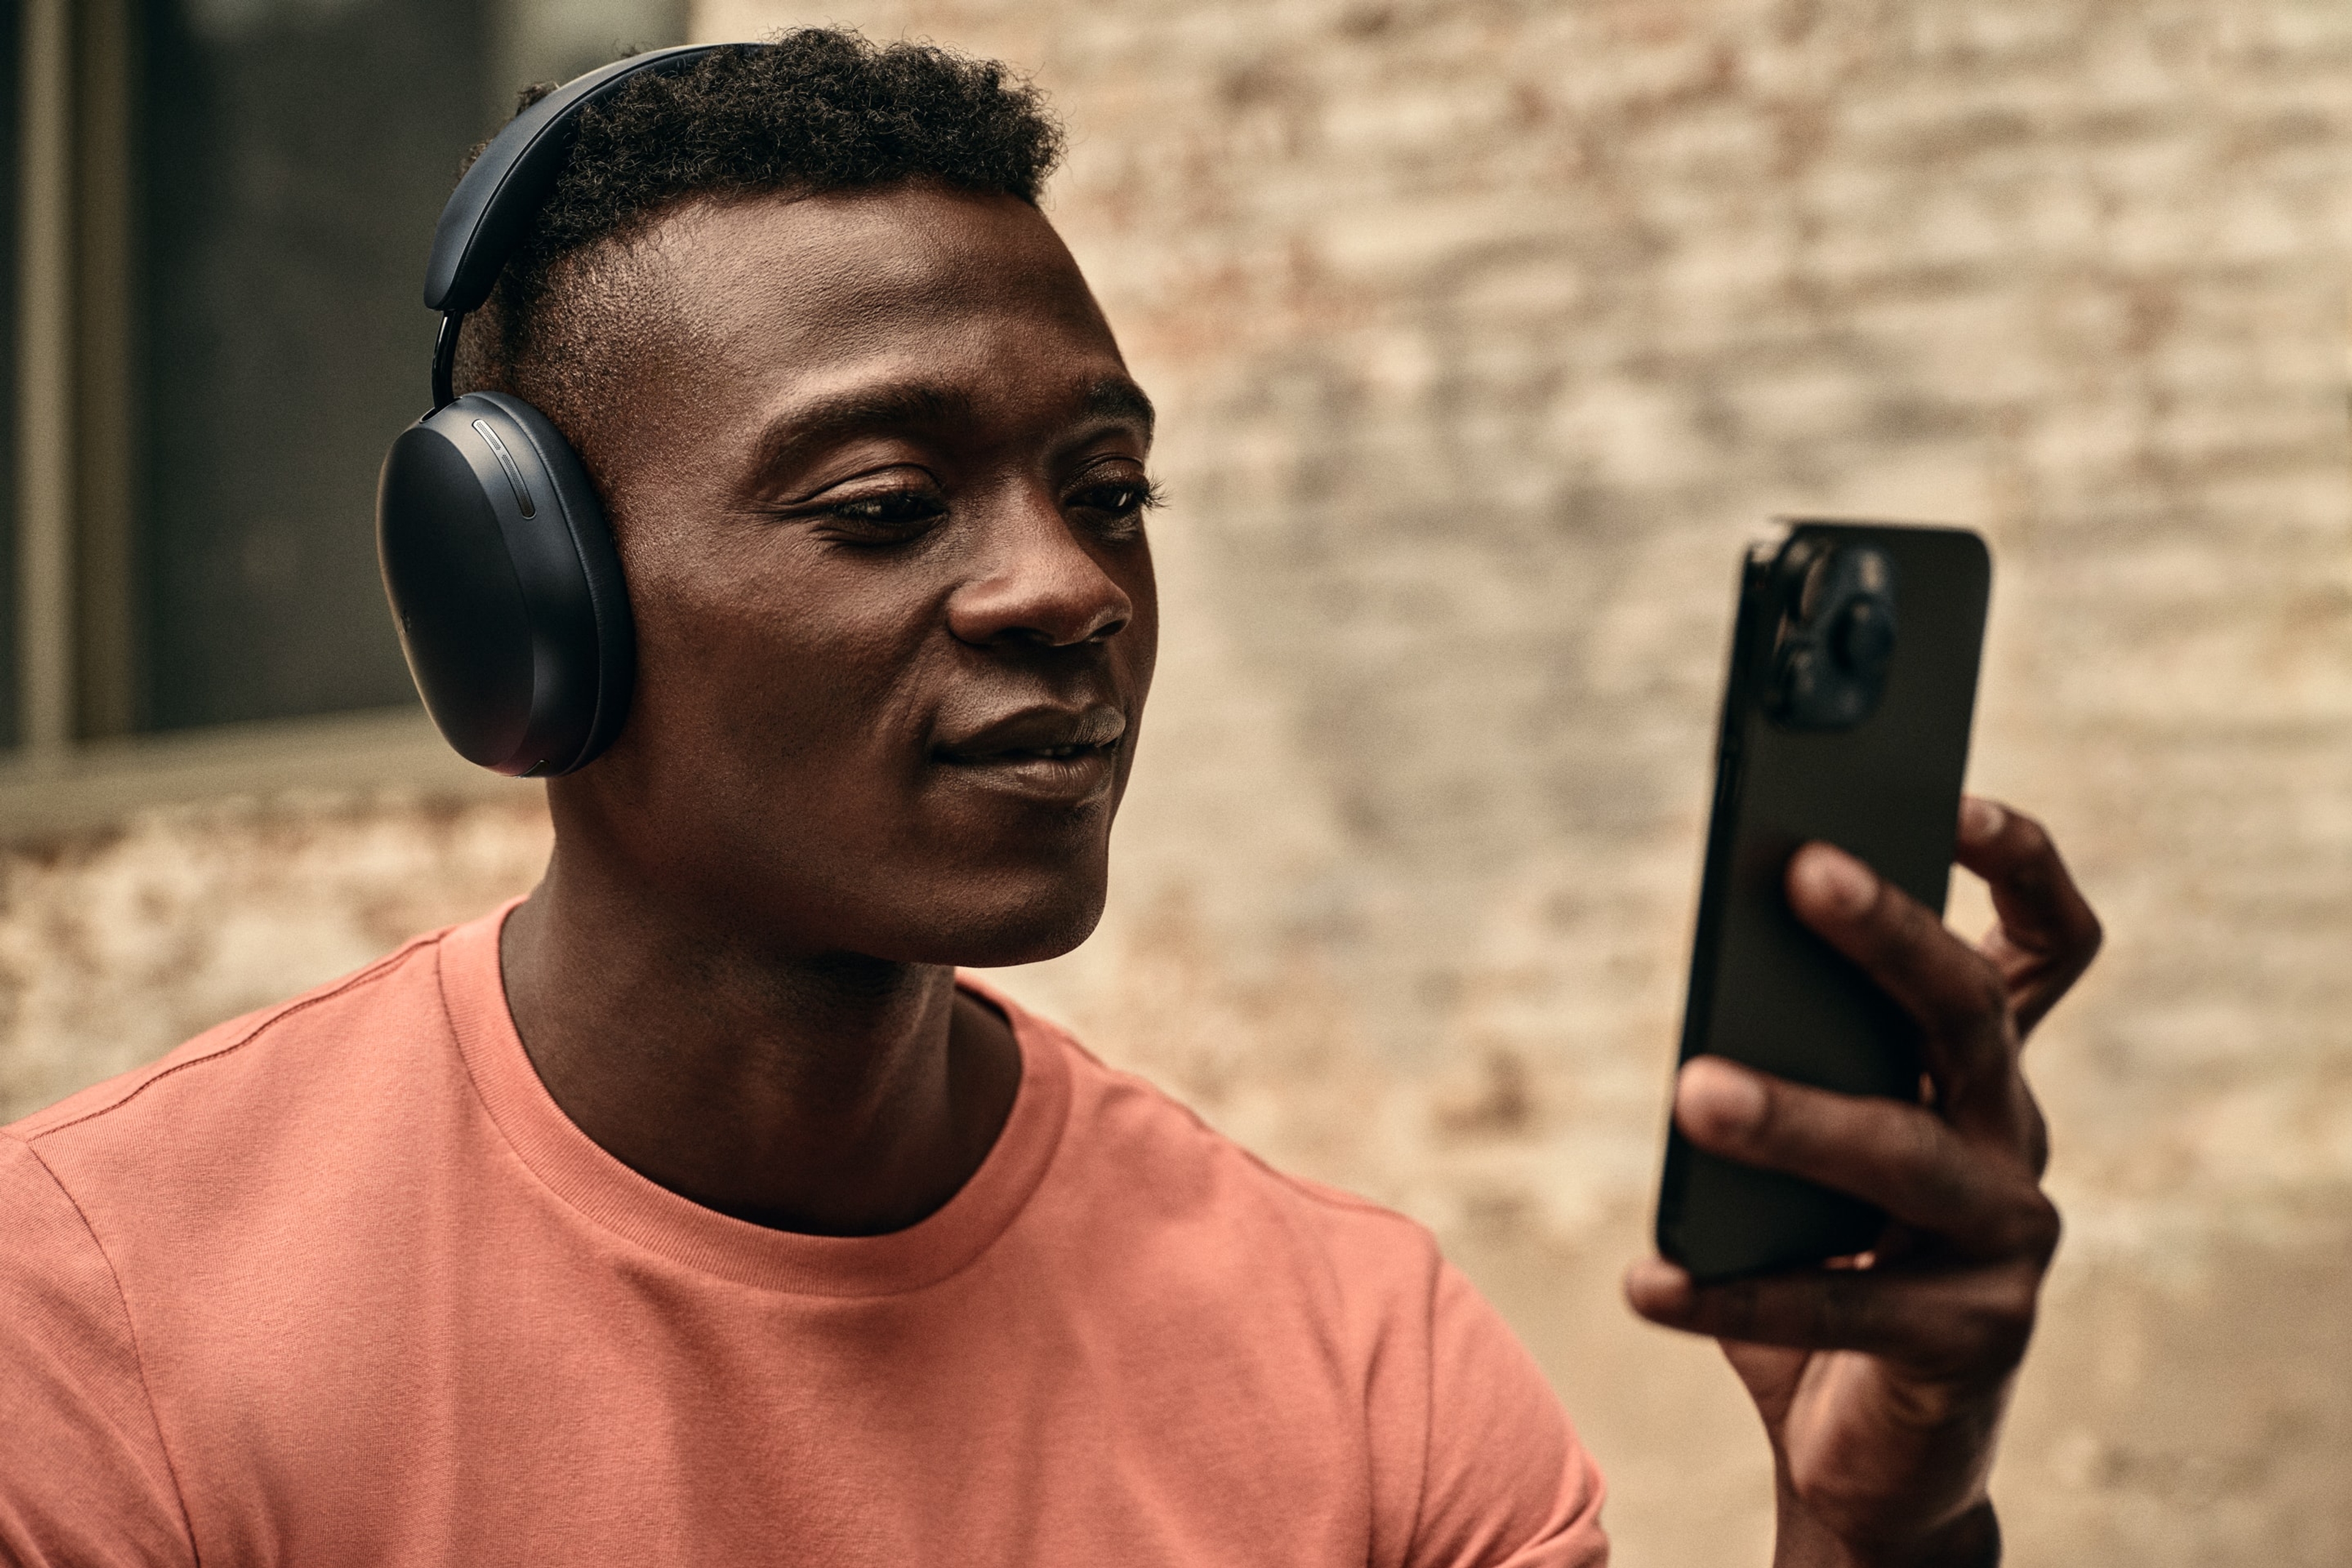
84	1480
1506	1483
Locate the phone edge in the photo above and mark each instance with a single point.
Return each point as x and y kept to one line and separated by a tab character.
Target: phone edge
1698	998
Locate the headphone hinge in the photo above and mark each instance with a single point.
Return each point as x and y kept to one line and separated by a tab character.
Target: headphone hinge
444	361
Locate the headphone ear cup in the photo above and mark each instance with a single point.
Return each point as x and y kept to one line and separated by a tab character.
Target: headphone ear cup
502	576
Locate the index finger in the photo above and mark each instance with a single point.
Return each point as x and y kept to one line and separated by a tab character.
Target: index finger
2048	933
1953	990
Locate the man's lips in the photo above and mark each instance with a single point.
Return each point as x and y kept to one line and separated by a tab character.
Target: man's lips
1063	756
1055	734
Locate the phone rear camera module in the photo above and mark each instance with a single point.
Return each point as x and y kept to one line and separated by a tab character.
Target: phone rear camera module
1836	636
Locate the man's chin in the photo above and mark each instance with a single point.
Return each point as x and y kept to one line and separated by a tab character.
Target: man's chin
1029	933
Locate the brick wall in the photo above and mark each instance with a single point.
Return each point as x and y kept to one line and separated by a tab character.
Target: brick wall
1485	335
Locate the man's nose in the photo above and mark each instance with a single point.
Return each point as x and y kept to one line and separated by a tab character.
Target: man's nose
1037	584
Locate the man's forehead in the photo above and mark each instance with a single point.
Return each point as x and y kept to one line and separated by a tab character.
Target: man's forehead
778	291
816	255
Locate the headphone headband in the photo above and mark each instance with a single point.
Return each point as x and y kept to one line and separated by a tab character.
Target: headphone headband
497	196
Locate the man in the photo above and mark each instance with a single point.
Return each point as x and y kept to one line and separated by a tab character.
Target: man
694	1211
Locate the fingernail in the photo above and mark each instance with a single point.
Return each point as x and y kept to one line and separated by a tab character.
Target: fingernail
1980	820
1836	878
1655	1287
1721	1096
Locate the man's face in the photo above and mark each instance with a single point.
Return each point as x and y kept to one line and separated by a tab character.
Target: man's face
878	495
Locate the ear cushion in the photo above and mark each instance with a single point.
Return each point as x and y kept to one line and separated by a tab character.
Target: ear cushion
506	587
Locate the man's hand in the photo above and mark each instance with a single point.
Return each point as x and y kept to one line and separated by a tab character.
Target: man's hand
1881	1381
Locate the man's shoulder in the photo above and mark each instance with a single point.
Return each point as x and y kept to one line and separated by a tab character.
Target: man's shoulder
265	1062
1138	1159
1274	1281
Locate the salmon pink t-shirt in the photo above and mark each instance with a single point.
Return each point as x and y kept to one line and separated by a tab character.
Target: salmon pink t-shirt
338	1283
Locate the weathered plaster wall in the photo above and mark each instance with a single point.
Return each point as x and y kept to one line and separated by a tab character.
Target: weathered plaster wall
1485	334
116	946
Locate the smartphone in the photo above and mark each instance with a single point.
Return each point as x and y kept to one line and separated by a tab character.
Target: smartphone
1845	718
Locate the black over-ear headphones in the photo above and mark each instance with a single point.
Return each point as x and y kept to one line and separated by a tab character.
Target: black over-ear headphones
494	546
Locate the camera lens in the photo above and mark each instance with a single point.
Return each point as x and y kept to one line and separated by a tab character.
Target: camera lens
1799	679
1863	636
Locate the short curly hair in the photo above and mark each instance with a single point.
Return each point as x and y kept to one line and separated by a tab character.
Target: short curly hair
810	109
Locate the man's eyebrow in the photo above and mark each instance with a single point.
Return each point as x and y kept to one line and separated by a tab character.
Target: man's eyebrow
811	426
828	419
1115	398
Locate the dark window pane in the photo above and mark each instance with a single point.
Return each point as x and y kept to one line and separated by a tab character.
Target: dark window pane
296	154
295	157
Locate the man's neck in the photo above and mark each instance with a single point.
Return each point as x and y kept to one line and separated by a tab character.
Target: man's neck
838	1096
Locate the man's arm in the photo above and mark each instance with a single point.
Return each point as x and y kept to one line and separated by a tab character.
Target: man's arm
1882	1387
84	1480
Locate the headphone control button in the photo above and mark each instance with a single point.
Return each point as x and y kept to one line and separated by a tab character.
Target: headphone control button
506	461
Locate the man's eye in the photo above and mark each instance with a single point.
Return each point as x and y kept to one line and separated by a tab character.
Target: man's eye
891	511
1124	500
